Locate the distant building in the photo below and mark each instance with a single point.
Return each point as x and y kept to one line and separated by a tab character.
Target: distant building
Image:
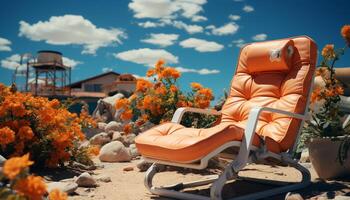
103	85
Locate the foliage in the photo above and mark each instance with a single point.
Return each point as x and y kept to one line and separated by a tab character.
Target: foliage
44	128
156	101
326	122
17	183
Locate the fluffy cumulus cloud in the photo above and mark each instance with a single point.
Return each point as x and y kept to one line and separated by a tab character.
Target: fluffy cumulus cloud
191	29
72	29
259	37
247	8
5	44
13	62
234	17
201	45
238	43
168	9
227	29
203	71
161	39
146	56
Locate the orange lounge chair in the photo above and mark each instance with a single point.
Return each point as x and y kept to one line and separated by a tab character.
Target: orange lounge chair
263	116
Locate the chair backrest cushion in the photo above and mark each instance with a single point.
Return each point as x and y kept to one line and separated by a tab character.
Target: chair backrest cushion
276	74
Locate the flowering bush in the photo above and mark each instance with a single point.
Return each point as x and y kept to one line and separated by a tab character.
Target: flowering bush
17	183
44	128
326	122
157	100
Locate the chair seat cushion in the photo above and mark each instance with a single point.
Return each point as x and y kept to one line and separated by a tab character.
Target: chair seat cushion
176	143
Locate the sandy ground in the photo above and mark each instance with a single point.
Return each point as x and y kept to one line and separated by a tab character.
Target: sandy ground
128	185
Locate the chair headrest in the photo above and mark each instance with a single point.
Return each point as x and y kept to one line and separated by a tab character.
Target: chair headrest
272	56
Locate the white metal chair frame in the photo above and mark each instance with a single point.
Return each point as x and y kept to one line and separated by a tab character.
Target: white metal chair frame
247	154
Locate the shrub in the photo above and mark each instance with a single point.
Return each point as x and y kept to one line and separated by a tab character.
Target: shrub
44	128
157	100
17	183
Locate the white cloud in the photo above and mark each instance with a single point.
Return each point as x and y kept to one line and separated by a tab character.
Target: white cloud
70	62
5	44
149	24
106	69
247	8
167	9
227	29
72	29
161	39
199	18
13	62
259	37
147	56
238	43
234	17
191	29
203	71
201	45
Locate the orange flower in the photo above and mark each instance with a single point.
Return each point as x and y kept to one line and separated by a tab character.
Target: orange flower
161	90
32	187
122	103
56	194
25	133
147	101
345	32
159	65
150	72
169	72
94	150
6	136
127	128
15	165
328	51
144	117
330	92
196	86
143	85
339	90
126	115
206	92
173	88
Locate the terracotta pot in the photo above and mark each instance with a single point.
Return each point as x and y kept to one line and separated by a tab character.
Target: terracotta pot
324	158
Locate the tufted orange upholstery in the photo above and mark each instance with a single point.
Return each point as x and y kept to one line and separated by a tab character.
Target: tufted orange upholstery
260	80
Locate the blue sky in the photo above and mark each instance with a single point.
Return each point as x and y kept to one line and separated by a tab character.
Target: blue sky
201	37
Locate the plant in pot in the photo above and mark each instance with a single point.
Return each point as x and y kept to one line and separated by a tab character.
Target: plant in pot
327	138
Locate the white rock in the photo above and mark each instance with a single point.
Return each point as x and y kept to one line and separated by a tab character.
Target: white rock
100	139
114	152
85	180
304	158
114	126
129	139
68	187
104	178
2	160
133	151
117	136
101	125
142	165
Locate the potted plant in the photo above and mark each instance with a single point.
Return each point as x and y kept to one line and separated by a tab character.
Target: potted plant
327	138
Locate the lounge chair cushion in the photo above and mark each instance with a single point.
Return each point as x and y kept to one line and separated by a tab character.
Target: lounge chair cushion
174	142
274	56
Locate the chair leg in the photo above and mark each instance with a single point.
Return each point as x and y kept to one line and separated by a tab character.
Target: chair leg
217	186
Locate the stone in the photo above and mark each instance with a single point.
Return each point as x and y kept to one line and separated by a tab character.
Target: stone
85	180
293	196
104	178
2	160
304	158
133	151
100	139
68	187
117	136
129	139
142	165
129	168
101	125
114	152
114	126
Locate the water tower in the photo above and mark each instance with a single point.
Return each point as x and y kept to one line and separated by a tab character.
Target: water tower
51	75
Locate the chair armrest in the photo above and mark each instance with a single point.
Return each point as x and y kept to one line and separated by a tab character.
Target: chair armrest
181	111
243	155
